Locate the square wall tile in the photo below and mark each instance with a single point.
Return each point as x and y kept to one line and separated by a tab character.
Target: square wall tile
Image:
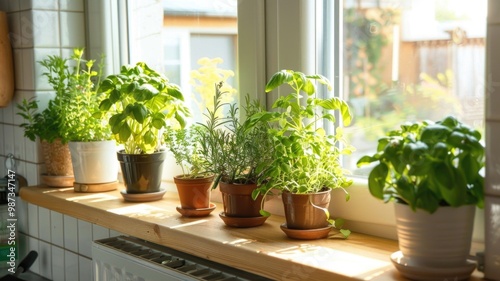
492	235
46	28
33	173
114	233
44	224
19	149
25	4
8	138
22	215
32	149
18	67
70	233
23	245
2	139
85	269
33	245
27	29
57	229
15	36
58	264
33	220
72	29
71	5
45	4
85	238
27	79
8	114
492	181
45	257
14	6
70	266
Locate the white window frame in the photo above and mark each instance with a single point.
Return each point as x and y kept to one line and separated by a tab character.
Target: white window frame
262	51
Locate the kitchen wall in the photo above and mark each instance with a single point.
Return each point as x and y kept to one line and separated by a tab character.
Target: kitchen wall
38	29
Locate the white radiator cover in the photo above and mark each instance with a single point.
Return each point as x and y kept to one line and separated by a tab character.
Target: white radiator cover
126	258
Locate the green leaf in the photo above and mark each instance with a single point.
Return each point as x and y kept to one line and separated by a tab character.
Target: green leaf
345	232
279	78
140	112
376	180
124	132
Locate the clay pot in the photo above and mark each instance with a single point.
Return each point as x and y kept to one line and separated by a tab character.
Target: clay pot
237	200
142	173
303	211
194	193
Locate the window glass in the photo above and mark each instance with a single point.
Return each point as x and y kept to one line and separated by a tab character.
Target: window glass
200	34
411	60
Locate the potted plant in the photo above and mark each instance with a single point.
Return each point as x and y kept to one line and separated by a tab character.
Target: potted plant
432	170
92	149
47	126
237	152
141	103
305	165
193	185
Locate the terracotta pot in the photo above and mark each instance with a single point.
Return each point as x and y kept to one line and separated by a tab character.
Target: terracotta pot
194	193
439	240
238	202
303	211
142	173
57	158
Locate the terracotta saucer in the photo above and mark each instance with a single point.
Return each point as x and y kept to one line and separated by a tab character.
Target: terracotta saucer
242	222
201	212
143	197
306	234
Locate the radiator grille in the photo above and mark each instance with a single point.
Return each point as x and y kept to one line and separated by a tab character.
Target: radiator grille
127	258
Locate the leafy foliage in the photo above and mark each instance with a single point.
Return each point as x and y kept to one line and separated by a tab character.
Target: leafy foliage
69	116
235	151
141	103
306	158
427	165
185	146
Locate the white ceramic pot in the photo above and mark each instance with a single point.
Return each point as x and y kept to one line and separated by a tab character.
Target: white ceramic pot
441	239
94	162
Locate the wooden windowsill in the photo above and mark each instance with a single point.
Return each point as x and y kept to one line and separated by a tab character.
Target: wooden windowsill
263	250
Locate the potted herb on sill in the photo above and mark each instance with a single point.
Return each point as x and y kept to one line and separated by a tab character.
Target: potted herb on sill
141	103
92	149
432	170
193	185
237	152
305	165
47	125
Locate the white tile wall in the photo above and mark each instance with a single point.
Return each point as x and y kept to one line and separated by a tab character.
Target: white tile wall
57	229
99	232
33	244
22	215
45	259
44	225
72	29
46	28
70	233
27	29
58	264
70	266
33	220
71	5
85	238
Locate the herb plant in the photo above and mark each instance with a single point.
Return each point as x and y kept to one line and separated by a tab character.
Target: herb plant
69	116
142	103
235	151
306	159
185	145
427	165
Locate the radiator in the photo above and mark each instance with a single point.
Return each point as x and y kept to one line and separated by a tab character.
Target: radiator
126	258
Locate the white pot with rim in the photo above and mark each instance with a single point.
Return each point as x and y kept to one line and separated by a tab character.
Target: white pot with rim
434	246
94	162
